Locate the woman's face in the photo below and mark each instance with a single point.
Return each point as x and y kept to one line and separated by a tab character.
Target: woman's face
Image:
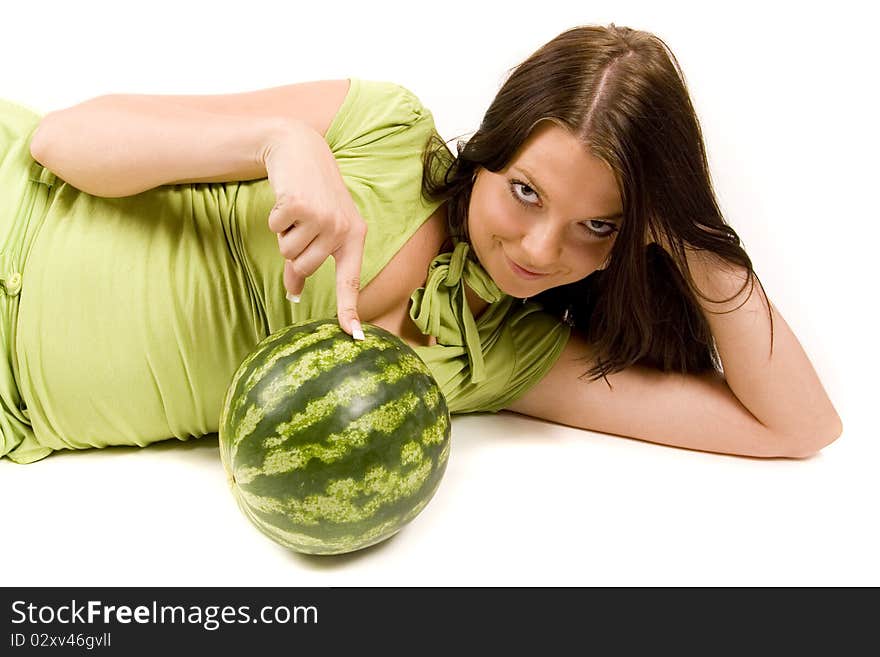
553	211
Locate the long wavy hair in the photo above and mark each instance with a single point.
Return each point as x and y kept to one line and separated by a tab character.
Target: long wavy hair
622	93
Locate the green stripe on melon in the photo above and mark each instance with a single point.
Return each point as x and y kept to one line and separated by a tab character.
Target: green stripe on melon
333	444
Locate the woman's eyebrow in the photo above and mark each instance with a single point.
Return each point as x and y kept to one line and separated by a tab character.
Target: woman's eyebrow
532	180
536	185
609	217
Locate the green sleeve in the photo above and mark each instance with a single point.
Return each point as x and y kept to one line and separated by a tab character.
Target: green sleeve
375	114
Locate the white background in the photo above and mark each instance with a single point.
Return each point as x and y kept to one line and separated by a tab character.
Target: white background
786	96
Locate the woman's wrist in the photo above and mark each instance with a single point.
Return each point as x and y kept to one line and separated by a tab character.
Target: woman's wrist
292	152
281	134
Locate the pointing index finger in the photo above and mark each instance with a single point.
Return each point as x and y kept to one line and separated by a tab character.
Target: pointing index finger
349	259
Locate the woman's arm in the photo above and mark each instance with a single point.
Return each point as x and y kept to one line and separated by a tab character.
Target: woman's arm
762	406
122	144
782	391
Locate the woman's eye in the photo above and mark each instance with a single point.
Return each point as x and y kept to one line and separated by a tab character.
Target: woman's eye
596	228
600	228
527	192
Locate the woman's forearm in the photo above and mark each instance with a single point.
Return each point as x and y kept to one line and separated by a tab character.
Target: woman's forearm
782	391
123	144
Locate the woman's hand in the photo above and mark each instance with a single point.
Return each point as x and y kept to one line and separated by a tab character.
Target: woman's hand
315	217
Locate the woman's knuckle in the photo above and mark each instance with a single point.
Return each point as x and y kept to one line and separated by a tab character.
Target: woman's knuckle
331	219
349	312
281	203
299	268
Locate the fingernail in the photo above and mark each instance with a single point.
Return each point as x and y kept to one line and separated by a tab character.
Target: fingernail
356	331
293	297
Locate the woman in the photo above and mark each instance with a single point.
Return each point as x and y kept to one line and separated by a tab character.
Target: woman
576	230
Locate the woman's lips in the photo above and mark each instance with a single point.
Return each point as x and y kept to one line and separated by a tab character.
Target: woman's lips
522	273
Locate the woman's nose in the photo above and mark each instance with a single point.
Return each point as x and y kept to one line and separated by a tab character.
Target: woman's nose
542	245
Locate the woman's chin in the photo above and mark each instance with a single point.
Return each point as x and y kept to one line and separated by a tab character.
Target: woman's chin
516	290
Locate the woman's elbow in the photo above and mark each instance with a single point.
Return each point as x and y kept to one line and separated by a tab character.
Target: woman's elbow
800	447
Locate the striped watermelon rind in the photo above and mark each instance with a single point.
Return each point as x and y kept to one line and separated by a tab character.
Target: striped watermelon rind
332	444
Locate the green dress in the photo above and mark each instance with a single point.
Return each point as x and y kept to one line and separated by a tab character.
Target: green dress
122	320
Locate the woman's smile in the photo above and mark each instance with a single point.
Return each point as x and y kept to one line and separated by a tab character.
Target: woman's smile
522	271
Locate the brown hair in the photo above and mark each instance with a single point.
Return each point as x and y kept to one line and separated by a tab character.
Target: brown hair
622	93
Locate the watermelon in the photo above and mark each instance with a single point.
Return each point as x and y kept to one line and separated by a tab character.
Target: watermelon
332	444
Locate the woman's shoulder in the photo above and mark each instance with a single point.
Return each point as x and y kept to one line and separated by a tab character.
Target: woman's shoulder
378	114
